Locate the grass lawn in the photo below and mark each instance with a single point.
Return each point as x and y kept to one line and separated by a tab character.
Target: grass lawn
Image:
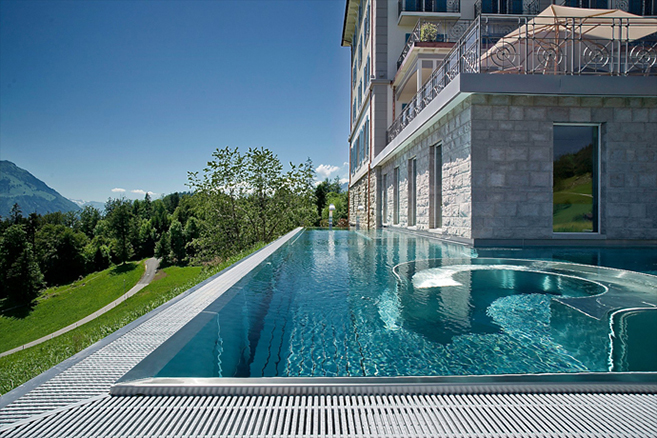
60	306
22	366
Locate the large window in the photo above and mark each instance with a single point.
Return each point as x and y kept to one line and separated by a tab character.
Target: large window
412	192
436	187
575	179
395	196
384	199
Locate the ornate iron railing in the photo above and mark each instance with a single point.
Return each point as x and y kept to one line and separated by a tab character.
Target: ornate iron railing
428	6
434	31
528	45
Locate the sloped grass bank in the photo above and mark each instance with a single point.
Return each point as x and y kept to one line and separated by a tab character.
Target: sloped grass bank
22	366
58	307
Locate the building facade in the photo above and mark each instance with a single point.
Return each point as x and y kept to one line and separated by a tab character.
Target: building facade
495	123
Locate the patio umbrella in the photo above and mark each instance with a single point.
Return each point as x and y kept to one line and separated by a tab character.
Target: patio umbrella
584	35
591	23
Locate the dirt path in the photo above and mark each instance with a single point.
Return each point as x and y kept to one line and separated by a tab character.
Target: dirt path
151	267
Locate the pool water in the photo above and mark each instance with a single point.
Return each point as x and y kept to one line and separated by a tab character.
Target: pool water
346	303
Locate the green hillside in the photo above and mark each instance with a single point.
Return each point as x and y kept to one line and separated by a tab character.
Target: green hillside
18	186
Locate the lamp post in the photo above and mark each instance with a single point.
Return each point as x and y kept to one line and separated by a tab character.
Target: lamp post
331	210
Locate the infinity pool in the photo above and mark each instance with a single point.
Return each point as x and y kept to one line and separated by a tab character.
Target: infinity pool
346	303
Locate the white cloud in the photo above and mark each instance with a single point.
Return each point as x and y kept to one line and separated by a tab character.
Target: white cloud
118	190
344	180
345	164
325	170
142	192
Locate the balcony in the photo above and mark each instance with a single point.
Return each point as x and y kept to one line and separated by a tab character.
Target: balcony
410	10
542	46
526	7
427	32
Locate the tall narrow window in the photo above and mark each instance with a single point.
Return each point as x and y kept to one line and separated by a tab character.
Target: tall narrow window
384	199
412	192
575	179
436	186
395	197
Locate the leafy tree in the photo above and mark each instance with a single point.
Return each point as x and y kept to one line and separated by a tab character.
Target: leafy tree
325	187
89	218
146	238
15	214
177	241
160	217
60	253
163	249
192	230
341	202
118	214
97	254
19	270
146	209
171	202
243	199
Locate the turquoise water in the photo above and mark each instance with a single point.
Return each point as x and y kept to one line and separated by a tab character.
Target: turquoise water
345	303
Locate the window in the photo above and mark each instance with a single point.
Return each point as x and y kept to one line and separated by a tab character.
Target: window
367	23
384	199
436	186
366	74
367	140
575	179
412	192
395	196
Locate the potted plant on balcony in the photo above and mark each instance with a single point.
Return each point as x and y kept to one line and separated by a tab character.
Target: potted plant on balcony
428	32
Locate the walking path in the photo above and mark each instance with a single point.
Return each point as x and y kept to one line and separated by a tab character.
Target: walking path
151	267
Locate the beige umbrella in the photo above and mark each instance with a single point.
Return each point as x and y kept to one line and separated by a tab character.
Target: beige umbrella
543	41
591	23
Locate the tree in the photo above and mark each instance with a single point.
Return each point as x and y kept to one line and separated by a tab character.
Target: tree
324	188
159	217
89	218
244	199
60	253
118	213
163	249
146	239
16	214
19	270
177	242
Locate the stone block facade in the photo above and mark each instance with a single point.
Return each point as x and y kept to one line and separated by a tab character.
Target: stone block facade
497	164
512	148
453	134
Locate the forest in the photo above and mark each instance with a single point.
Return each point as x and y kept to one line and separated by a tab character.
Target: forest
238	200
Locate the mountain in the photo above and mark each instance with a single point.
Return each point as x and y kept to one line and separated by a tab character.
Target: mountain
18	186
100	206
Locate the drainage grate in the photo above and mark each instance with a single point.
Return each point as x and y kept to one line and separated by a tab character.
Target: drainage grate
467	415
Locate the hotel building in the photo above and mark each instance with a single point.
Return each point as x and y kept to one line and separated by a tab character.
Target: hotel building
495	122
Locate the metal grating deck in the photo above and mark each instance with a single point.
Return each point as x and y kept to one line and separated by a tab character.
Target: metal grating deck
474	415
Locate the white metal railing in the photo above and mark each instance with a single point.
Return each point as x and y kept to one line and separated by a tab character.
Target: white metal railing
542	45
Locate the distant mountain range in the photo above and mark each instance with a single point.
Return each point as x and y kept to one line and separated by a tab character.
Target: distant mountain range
18	186
100	206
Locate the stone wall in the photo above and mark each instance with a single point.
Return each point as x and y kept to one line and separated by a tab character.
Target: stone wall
453	133
512	164
358	194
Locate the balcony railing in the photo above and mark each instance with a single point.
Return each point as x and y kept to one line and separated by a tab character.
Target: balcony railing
434	31
527	45
428	6
524	7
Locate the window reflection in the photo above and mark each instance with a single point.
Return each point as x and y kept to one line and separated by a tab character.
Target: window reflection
575	179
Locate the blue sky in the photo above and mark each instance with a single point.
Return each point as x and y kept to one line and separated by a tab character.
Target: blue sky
103	95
